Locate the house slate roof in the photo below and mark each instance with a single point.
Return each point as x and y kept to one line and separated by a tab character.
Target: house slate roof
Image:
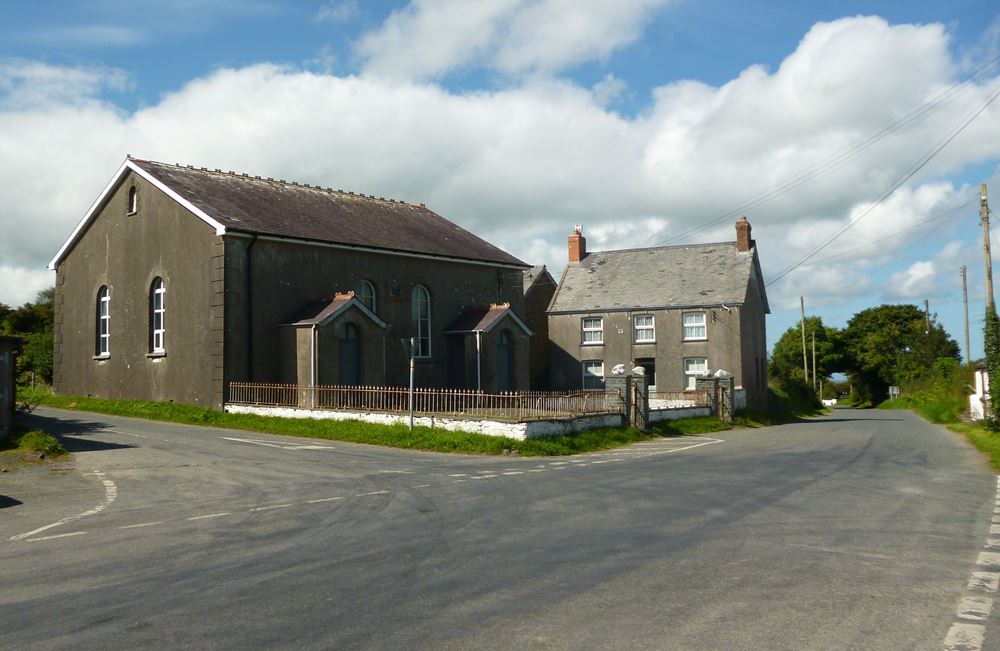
324	310
251	204
484	319
536	274
656	278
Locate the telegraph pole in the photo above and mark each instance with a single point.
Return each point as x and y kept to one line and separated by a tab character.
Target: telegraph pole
814	359
927	317
965	301
984	218
802	327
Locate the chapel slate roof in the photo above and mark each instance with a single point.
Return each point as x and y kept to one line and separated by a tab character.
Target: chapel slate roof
250	204
661	277
483	319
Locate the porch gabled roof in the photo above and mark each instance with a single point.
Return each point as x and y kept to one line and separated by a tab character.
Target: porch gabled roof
322	311
485	319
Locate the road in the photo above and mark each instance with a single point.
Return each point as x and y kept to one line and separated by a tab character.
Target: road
858	530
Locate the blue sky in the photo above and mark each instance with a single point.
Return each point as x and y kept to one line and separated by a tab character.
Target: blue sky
648	121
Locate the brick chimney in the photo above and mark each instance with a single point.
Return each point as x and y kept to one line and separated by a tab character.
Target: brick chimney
743	240
577	245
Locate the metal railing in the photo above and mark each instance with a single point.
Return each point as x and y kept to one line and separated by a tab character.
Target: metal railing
520	405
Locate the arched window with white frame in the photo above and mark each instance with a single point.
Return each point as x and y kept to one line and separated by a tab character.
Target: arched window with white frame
421	305
133	200
157	314
103	325
366	294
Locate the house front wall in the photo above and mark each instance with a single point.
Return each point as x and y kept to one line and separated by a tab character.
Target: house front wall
283	276
125	253
721	347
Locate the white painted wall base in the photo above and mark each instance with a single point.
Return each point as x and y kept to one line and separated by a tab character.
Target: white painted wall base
520	431
657	415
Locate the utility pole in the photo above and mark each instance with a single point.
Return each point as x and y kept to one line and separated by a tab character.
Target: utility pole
965	301
814	359
927	317
802	327
984	218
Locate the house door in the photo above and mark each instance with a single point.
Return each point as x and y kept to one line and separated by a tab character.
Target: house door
349	368
456	361
505	362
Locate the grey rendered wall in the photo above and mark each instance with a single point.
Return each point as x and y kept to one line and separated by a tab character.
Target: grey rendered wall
722	347
536	301
126	252
285	276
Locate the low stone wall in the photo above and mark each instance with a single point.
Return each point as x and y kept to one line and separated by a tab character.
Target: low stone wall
657	415
515	430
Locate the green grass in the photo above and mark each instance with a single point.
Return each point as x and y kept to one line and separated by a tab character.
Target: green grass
936	408
691	426
399	436
985	441
35	441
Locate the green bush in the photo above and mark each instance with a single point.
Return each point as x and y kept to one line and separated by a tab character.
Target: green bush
35	440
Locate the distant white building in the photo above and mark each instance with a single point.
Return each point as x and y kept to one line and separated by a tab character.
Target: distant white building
980	400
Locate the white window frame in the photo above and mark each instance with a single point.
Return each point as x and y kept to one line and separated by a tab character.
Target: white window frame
366	291
703	326
104	321
158	310
594	364
646	329
690	375
133	200
588	329
421	297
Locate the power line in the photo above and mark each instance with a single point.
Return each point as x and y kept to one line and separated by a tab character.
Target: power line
895	186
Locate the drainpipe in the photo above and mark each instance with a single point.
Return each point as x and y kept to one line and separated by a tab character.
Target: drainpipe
479	361
312	365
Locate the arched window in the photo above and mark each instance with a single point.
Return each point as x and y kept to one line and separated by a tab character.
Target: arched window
157	312
103	325
133	200
421	300
366	294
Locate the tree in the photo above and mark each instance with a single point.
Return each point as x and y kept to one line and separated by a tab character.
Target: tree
892	344
991	345
786	359
33	323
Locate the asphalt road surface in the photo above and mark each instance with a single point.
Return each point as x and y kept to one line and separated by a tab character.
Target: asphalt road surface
859	530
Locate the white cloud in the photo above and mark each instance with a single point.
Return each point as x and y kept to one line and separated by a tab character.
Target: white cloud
337	11
608	90
521	165
19	285
86	36
430	38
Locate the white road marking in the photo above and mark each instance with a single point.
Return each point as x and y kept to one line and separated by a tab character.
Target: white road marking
210	515
60	535
272	506
975	608
459	481
965	637
421	486
984	581
993	543
996	519
138	526
280	446
373	493
459	474
686	447
537	470
601	461
323	499
117	431
995	529
398	472
110	495
988	558
559	463
514	472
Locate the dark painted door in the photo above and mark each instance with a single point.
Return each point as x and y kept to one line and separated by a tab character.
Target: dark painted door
349	371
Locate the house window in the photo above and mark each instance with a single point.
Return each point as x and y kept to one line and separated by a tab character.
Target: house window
366	294
644	330
593	330
593	375
694	367
157	311
103	321
133	200
421	300
694	326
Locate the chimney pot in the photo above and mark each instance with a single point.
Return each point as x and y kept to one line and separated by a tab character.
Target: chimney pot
743	240
577	245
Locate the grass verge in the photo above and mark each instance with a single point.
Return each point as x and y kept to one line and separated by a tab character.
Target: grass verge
29	446
691	426
399	436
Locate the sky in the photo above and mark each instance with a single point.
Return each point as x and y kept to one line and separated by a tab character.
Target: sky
853	135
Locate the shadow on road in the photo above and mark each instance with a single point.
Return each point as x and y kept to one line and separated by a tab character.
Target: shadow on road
73	432
6	501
